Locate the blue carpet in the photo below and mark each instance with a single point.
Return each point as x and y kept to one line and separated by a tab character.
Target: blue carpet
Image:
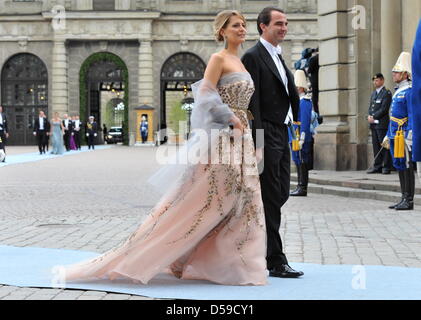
32	267
35	156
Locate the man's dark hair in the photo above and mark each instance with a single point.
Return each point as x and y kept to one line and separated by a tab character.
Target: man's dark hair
265	16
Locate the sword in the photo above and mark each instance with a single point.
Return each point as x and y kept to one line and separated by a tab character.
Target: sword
375	158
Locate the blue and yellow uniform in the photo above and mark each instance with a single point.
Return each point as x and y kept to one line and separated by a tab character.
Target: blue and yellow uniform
400	124
416	96
303	125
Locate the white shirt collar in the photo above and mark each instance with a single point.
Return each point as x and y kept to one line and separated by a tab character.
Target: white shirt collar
379	89
270	47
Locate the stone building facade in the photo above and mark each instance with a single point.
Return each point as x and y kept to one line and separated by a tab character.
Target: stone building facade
50	53
358	38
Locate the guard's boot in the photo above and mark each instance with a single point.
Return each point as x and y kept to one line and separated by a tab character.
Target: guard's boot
402	183
298	181
408	202
301	190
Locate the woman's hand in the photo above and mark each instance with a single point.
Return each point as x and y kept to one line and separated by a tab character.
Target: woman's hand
238	127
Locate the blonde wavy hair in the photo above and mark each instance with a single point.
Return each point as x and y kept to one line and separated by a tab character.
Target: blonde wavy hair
222	20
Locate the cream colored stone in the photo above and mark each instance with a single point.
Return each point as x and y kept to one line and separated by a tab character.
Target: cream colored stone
333	26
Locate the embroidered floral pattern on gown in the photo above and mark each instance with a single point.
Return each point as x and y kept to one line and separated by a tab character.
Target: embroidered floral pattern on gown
210	224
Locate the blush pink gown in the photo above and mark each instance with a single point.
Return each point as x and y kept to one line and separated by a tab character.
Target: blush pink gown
209	226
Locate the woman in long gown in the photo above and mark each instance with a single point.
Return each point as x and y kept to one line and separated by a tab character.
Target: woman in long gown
209	225
57	131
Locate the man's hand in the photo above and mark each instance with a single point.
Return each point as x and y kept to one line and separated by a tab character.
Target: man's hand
7	135
370	119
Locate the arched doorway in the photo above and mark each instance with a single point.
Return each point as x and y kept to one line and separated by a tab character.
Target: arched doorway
24	91
104	80
178	73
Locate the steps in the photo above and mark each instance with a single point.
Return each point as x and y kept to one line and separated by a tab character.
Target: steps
357	185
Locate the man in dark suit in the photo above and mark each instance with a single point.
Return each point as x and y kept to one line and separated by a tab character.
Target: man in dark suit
378	118
274	106
91	130
68	129
41	131
77	124
4	131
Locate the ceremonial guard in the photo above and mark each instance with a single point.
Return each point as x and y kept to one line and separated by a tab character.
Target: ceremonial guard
416	99
400	131
144	129
302	141
378	118
91	132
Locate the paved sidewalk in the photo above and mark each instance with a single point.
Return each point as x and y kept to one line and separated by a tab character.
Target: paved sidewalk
93	201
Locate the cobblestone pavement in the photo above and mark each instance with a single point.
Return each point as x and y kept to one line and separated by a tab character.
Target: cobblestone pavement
92	201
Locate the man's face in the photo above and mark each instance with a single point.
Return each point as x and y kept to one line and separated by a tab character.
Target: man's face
1	109
41	114
277	29
398	77
378	82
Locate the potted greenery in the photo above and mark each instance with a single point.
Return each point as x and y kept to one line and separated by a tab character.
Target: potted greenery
177	121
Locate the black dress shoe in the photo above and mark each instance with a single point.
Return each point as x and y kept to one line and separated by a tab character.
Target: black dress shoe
299	192
284	271
406	204
373	170
385	171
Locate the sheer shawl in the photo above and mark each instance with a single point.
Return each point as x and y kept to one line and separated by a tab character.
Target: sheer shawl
210	115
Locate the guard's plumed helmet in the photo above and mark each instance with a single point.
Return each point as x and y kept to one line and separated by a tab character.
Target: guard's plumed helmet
404	63
300	79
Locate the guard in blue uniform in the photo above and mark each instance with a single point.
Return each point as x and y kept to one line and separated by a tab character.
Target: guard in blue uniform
416	99
301	140
144	128
400	129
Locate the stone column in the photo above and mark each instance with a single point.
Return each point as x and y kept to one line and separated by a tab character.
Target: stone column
145	72
391	37
59	88
84	5
411	13
297	47
145	81
338	145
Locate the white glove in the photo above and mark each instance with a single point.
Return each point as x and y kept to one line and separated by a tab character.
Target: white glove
419	169
35	133
302	139
95	134
386	143
87	134
408	140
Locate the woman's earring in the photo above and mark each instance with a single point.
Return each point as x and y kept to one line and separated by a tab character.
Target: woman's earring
225	43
